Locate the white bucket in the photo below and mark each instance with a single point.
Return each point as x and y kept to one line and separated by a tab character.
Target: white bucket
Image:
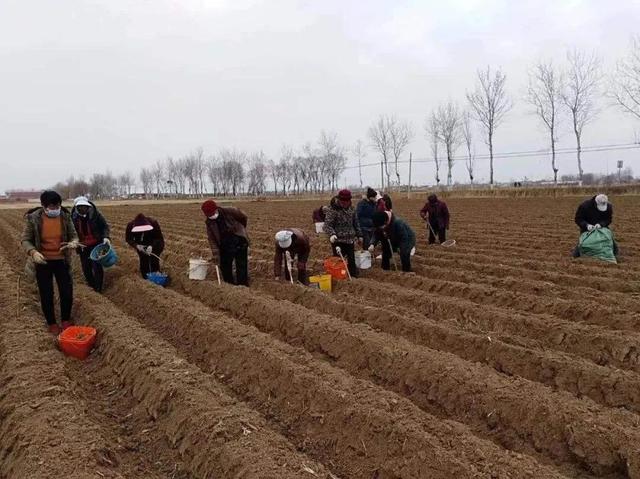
320	227
198	269
363	259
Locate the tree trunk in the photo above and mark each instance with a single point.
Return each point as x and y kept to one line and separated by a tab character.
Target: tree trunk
491	160
553	159
579	154
449	165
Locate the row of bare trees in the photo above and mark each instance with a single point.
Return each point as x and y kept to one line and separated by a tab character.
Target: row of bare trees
99	186
557	95
314	168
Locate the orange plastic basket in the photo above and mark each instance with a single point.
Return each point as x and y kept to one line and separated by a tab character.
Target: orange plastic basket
77	341
335	267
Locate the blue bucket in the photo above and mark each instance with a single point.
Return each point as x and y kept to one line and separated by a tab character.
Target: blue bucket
161	279
104	254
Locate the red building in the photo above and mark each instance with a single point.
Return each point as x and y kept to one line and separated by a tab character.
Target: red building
23	195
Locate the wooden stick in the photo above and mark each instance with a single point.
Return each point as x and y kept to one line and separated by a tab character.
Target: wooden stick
218	274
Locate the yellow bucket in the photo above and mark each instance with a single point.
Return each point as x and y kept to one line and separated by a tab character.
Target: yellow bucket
321	281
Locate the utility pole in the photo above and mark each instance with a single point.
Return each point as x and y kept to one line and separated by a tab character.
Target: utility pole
409	185
381	176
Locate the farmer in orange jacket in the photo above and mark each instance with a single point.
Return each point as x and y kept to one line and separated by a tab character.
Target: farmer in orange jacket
227	233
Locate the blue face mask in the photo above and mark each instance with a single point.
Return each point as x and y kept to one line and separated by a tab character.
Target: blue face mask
52	213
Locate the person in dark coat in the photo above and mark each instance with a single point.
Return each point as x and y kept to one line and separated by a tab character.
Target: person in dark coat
395	235
365	210
594	213
436	214
341	224
145	236
92	230
295	242
227	233
319	214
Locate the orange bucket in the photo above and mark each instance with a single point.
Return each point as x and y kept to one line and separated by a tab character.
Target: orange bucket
335	267
77	341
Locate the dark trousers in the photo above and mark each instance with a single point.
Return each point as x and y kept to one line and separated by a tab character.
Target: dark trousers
387	253
349	254
44	277
367	236
148	264
92	270
235	249
441	232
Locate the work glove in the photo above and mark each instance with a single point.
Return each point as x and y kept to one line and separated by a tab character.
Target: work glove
38	257
371	248
333	239
70	245
413	251
590	227
277	278
106	241
148	250
140	248
597	226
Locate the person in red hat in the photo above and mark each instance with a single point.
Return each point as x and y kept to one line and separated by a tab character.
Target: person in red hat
145	236
343	228
227	233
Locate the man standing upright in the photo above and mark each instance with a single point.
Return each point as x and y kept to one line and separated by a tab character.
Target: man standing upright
341	224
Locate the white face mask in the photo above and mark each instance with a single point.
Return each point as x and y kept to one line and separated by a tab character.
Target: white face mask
214	216
52	213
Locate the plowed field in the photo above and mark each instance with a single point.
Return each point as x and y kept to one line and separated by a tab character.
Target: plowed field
500	357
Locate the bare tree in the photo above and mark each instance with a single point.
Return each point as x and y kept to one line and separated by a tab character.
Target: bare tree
381	141
489	103
146	179
360	151
233	174
432	134
214	172
467	135
401	135
625	81
449	132
257	174
582	82
544	92
158	172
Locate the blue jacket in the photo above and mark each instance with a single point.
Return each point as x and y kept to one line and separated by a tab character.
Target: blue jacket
365	211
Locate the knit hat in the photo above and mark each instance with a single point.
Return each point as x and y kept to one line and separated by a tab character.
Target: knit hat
379	218
371	193
81	201
284	238
432	199
50	197
344	195
602	202
209	208
141	224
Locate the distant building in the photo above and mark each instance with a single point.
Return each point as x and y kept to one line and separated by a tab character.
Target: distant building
23	195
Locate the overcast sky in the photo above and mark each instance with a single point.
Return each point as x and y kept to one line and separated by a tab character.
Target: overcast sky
87	86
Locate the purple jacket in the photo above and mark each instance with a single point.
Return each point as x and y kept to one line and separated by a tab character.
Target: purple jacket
437	214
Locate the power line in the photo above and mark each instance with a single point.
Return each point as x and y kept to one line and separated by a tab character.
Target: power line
521	154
